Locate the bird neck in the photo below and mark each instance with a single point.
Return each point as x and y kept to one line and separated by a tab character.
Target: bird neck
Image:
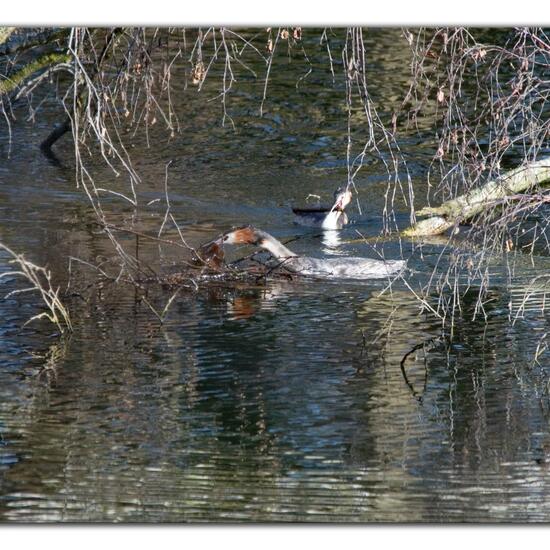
272	245
331	219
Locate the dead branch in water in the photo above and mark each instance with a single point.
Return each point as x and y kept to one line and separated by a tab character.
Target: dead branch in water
465	207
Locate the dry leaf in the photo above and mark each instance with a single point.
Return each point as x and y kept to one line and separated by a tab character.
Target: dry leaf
504	141
198	73
284	34
440	96
479	54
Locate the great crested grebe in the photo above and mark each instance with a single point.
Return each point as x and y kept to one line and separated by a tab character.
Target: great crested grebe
343	267
325	217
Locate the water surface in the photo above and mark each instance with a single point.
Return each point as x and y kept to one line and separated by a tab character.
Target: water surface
287	401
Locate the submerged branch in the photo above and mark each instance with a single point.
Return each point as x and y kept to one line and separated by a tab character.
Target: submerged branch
55	134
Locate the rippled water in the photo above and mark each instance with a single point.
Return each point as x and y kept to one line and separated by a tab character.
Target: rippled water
284	401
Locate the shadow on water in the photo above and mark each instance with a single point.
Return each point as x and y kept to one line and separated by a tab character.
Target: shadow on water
285	401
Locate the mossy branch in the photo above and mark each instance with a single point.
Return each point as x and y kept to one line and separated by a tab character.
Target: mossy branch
48	60
466	206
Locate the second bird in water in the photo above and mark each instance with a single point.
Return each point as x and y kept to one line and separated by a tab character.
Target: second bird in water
332	217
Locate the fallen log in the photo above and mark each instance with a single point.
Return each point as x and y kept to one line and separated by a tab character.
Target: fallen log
466	206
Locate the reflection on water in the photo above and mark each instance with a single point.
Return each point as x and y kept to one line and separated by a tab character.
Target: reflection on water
331	241
307	401
285	401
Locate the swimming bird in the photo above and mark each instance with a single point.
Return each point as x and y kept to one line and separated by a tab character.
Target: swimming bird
341	267
325	217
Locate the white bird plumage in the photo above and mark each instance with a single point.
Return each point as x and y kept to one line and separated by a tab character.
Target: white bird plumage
325	217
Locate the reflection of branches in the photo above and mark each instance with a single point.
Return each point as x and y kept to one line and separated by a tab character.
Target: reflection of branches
425	346
52	359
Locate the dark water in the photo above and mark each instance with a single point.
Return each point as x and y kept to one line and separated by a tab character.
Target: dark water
286	401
